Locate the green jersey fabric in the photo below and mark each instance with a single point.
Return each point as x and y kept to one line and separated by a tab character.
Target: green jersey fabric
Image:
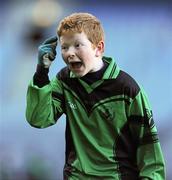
110	132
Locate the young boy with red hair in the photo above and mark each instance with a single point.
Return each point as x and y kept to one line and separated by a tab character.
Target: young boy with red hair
110	132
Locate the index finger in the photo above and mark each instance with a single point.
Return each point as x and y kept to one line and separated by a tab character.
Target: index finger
51	40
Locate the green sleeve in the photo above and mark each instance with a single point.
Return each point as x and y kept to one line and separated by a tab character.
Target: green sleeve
149	156
44	105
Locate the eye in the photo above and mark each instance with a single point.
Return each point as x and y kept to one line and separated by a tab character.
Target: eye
77	45
64	47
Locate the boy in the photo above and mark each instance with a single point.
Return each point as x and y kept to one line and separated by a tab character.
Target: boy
110	132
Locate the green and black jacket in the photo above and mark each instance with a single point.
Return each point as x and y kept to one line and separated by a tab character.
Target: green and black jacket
110	132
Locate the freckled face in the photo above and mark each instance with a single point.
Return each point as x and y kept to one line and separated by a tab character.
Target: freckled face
78	53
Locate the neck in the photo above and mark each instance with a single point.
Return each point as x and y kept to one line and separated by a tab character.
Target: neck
98	65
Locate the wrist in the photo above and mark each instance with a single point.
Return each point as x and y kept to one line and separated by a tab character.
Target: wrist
40	69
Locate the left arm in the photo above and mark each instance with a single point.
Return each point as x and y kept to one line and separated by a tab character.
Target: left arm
149	155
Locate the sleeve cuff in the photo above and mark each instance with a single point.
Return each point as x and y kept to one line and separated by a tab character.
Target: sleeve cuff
40	77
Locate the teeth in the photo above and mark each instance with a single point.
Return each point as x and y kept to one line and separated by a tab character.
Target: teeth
74	62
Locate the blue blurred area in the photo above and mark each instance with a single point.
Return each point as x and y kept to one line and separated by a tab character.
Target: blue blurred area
138	36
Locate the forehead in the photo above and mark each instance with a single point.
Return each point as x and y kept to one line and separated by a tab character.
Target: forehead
67	37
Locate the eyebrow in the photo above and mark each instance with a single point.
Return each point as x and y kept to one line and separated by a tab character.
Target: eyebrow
77	40
64	44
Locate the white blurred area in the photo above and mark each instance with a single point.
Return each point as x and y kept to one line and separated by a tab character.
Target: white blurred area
139	36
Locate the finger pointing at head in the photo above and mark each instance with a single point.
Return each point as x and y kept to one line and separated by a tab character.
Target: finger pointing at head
51	40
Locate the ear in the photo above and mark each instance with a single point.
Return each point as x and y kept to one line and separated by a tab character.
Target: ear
100	48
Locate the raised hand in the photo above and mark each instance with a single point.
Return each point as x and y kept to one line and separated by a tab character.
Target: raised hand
47	52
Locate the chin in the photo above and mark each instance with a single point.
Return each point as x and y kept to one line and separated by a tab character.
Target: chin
79	74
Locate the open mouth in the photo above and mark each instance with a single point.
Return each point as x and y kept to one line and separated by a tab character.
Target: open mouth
75	65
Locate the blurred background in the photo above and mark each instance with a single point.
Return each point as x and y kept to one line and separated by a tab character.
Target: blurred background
138	36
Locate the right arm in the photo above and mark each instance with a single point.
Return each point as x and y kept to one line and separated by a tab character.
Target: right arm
44	98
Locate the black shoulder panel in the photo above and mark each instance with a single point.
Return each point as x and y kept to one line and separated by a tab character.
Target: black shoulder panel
128	84
63	73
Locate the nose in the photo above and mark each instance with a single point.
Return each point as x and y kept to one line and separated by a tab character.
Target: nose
71	53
